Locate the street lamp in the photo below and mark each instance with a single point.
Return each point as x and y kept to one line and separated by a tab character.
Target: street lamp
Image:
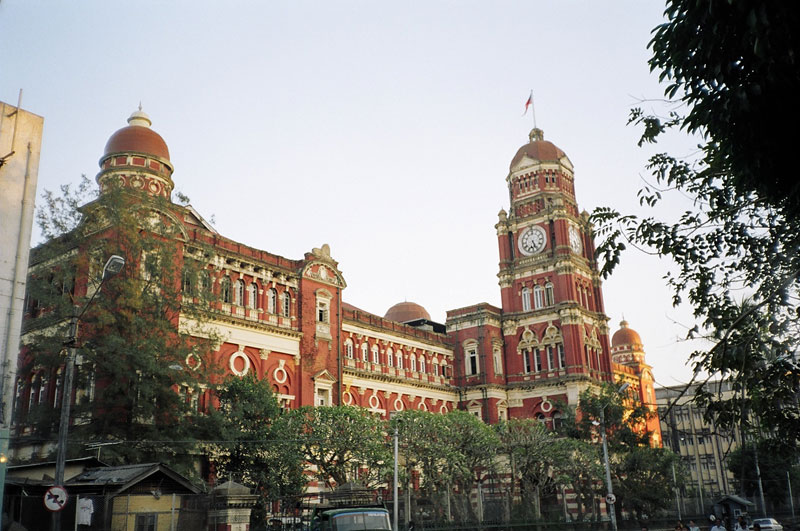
113	266
610	498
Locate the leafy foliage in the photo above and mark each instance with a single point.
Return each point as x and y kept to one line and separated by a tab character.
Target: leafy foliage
253	448
734	67
774	464
133	379
641	475
342	443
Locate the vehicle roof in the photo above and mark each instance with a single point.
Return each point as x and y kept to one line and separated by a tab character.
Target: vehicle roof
336	512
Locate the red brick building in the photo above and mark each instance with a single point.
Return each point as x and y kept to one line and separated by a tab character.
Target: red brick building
285	319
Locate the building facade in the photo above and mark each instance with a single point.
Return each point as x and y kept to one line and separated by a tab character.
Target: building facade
285	320
703	447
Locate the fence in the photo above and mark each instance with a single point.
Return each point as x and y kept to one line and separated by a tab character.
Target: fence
99	512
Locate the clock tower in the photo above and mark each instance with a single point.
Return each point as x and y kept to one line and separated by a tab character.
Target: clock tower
555	333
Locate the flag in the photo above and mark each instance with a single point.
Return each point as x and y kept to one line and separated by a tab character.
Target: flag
528	103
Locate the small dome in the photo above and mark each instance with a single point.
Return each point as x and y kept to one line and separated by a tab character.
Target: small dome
538	149
626	337
137	137
404	312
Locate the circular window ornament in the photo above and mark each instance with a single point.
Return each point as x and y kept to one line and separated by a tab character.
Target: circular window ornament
547	405
374	403
193	361
239	368
280	375
398	405
347	398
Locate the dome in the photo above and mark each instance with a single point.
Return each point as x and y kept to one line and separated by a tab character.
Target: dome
626	337
538	149
137	137
404	312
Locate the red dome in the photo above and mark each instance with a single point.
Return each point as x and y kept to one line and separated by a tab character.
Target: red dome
538	149
404	312
137	138
625	337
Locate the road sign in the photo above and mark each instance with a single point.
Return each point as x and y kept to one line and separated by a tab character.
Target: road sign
55	499
611	499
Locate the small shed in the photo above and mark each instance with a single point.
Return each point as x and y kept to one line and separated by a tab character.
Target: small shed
142	496
732	506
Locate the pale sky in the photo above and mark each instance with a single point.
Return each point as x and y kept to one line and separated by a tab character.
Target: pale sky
384	129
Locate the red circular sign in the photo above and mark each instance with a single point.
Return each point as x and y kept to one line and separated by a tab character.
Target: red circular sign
55	498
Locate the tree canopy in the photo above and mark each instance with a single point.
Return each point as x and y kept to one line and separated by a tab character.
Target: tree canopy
732	74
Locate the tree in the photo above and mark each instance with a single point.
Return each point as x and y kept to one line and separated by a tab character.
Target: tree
422	435
733	66
774	466
634	464
531	452
136	366
342	443
252	446
577	466
474	448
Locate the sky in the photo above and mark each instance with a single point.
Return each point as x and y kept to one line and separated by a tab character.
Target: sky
384	129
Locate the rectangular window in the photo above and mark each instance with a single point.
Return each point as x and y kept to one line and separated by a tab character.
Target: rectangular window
472	362
562	357
526	358
537	360
146	522
551	362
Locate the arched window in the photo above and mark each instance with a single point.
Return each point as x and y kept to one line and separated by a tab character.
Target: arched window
435	368
238	292
225	289
422	363
272	300
498	361
399	359
364	352
252	294
348	349
389	357
42	391
538	297
549	298
526	299
287	303
413	362
376	357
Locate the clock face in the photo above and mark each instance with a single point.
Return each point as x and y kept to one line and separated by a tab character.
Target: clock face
575	241
532	240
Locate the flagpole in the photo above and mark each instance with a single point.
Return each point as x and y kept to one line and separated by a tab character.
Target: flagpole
533	109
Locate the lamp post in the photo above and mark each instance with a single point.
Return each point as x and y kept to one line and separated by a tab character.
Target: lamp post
113	266
610	498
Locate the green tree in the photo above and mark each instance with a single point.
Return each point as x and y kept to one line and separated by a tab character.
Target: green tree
733	67
632	461
253	447
136	367
342	443
578	466
423	438
773	463
474	447
530	449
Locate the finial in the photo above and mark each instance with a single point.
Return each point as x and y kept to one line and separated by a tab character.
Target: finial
140	118
536	134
